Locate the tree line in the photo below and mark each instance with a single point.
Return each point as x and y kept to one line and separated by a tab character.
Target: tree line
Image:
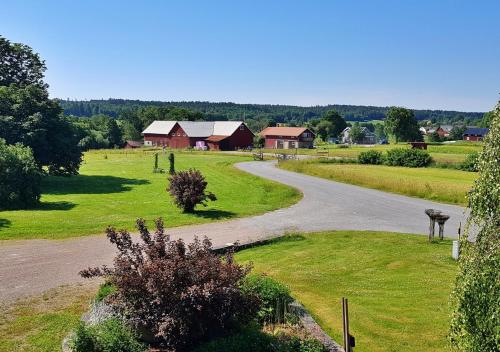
260	114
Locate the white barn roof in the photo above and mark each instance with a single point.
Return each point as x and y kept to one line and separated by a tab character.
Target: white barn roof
195	128
160	127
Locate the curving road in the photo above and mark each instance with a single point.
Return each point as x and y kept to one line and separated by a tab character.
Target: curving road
32	266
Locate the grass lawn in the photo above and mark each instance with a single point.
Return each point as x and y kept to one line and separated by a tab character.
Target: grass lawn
443	185
441	153
117	186
397	285
39	324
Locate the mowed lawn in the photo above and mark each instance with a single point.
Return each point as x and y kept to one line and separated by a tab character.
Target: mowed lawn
39	324
443	185
117	186
398	285
441	153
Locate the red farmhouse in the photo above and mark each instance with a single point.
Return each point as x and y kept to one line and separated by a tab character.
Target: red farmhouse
214	135
287	137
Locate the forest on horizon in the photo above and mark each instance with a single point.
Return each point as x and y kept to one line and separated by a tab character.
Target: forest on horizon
290	114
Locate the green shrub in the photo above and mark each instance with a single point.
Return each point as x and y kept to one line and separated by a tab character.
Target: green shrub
470	163
104	291
274	296
111	335
253	340
371	157
20	177
407	157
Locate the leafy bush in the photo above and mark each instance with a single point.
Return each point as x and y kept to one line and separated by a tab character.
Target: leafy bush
371	157
105	290
407	157
20	177
253	340
470	163
188	189
475	300
176	294
274	296
111	335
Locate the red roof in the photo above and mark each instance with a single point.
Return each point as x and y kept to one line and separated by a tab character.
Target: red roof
283	131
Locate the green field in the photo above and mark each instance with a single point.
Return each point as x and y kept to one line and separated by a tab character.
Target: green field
397	285
117	186
443	185
441	153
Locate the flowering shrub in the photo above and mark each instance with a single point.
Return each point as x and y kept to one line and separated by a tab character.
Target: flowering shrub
475	299
175	294
188	190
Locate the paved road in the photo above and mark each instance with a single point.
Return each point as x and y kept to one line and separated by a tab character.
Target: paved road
33	266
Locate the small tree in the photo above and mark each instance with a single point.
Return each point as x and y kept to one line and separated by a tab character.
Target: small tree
171	160
179	294
20	177
258	141
188	190
476	297
401	125
356	134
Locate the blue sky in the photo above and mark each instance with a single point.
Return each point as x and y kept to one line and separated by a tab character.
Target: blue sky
440	54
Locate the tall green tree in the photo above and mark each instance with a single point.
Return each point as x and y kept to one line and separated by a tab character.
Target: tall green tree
338	124
476	297
401	125
114	133
28	116
20	65
356	133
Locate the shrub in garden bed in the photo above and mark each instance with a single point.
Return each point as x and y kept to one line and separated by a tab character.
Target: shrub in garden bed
373	157
255	340
274	297
111	335
176	295
408	157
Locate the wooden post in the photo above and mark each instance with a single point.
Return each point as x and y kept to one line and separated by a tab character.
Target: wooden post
345	325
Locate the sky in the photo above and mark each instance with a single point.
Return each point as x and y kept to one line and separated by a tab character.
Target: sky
423	54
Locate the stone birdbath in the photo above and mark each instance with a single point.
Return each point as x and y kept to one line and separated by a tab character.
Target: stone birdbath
432	214
441	219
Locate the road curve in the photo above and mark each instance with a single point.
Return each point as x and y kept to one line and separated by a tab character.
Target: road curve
30	267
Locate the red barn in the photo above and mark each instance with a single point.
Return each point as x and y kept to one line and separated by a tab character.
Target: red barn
214	135
287	137
475	134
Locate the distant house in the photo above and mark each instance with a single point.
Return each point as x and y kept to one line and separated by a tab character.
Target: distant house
444	130
133	144
369	136
475	133
287	137
213	135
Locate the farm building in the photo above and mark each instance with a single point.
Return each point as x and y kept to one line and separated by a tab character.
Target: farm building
368	136
287	137
132	144
213	135
475	133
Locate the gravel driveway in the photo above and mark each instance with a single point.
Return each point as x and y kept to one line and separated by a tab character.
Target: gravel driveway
30	267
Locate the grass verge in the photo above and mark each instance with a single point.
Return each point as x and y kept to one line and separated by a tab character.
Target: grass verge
39	324
117	186
397	285
443	185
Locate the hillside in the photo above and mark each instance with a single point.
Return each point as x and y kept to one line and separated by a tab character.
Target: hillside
276	113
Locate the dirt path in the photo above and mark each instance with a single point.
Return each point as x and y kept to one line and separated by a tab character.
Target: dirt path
30	267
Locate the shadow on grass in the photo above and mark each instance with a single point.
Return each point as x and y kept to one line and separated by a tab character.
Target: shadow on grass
214	214
88	184
4	223
54	206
